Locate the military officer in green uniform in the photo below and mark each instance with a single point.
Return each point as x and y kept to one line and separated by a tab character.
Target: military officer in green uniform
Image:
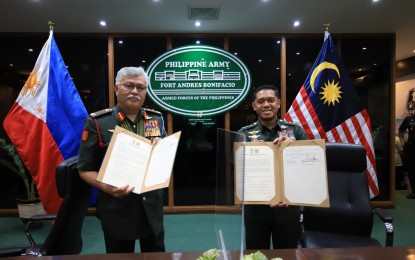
263	223
125	216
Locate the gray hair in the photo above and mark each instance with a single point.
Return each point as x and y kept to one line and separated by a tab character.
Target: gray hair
131	72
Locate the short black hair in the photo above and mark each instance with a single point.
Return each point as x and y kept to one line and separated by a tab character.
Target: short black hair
271	87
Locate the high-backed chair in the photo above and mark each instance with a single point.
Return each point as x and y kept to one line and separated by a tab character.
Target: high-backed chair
349	220
64	237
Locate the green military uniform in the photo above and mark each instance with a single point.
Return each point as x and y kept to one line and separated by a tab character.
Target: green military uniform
136	216
261	220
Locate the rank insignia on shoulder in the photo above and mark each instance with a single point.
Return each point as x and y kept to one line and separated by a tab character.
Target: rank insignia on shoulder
249	126
152	111
101	112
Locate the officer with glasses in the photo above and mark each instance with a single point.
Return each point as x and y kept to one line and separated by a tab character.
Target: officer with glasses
125	216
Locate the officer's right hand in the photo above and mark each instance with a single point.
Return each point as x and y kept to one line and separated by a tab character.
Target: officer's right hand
119	192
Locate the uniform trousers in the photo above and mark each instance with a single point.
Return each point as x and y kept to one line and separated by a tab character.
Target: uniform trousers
279	224
150	244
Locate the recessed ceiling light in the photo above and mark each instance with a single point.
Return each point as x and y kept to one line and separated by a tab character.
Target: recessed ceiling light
235	53
143	61
259	60
364	48
30	50
197	42
374	1
197	23
296	23
103	23
298	53
120	42
278	42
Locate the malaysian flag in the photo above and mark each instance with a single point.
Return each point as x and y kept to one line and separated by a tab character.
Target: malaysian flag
329	108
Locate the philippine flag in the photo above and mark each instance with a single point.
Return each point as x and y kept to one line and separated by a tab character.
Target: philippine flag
45	123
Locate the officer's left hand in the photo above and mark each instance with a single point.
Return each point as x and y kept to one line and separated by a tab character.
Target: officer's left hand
281	139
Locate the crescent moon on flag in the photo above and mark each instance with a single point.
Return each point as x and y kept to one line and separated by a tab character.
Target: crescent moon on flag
319	68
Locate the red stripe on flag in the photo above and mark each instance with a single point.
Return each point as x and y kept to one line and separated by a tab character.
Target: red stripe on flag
313	115
347	133
41	157
362	139
288	117
302	119
335	134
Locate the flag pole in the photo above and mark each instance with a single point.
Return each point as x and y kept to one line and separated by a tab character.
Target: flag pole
326	27
326	30
51	25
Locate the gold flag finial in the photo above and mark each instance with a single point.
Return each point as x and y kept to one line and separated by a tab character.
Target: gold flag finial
51	25
326	27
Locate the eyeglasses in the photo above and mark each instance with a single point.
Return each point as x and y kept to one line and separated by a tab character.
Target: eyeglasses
130	86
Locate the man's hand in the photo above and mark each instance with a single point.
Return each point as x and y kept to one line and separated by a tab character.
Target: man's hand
117	192
281	139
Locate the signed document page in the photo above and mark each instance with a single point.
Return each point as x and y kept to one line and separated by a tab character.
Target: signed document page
293	173
132	159
255	173
305	177
161	163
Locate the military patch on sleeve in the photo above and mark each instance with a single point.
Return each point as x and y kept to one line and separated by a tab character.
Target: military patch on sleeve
85	135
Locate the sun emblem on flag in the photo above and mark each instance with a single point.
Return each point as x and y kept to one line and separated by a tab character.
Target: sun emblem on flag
331	93
31	83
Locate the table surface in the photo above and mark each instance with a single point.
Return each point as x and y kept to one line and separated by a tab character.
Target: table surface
361	253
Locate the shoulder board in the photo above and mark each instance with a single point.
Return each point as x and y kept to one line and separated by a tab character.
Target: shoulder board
249	126
152	111
101	112
288	123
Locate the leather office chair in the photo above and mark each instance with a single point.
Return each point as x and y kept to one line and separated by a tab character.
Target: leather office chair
349	220
64	237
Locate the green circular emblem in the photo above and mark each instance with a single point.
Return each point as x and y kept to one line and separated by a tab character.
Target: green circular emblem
198	80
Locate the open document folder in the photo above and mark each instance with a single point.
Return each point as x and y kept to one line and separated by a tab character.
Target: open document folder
132	159
294	173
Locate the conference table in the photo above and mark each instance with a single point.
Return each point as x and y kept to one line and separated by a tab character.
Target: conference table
360	253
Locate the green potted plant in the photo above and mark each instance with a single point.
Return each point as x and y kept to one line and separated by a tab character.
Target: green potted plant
29	204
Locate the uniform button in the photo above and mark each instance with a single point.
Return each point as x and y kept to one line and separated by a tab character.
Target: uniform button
144	198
